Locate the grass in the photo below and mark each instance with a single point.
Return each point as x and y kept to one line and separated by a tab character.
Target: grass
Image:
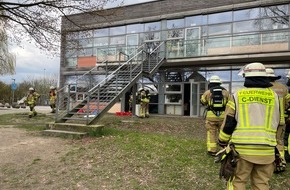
140	154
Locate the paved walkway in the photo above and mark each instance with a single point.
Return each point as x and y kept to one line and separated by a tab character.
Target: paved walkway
39	109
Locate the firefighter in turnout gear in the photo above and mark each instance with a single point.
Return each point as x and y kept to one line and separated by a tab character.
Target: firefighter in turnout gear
147	104
143	102
31	100
215	99
52	98
252	116
287	129
282	92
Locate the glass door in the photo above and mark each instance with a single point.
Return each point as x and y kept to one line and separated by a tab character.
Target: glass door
197	89
132	43
192	42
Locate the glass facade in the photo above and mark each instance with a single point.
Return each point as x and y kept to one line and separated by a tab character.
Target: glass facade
255	30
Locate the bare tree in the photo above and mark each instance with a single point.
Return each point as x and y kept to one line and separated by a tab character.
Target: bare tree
38	21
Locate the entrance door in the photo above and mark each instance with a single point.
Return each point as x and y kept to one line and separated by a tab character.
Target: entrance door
197	89
192	42
132	43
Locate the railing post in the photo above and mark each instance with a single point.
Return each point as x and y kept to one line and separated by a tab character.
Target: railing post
68	99
88	107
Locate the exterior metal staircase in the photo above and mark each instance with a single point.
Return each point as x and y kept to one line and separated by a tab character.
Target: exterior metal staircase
101	87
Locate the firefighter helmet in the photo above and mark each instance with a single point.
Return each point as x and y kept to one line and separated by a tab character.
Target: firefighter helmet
270	72
52	87
255	70
31	89
215	79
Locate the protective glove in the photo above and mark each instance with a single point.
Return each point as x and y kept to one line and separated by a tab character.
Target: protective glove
279	162
228	157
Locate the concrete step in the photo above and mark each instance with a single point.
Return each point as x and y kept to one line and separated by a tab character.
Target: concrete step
73	127
61	133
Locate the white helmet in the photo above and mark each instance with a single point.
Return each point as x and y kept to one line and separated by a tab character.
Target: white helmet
52	87
141	89
215	79
31	89
255	70
270	72
288	74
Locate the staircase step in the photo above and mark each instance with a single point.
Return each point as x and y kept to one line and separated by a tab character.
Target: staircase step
74	127
61	133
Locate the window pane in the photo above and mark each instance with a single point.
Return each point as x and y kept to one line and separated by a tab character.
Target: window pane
86	43
152	26
275	37
117	40
219	29
246	14
246	40
101	41
220	17
218	42
135	28
246	26
71	53
101	32
173	98
72	62
117	30
175	34
196	20
273	24
177	23
152	36
86	52
274	11
173	88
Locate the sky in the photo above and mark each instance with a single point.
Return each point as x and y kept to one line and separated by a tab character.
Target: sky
32	63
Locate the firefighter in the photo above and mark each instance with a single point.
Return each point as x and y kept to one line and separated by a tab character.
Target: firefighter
282	91
252	116
52	98
215	99
287	130
31	100
143	102
147	104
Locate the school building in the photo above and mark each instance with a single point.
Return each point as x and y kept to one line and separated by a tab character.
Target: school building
170	47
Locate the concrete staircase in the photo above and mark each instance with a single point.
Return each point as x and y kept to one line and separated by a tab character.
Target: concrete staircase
70	130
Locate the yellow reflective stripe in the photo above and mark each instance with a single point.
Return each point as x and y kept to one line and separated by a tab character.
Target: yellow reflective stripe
282	108
255	140
230	185
243	115
203	100
224	137
255	150
210	114
268	118
231	104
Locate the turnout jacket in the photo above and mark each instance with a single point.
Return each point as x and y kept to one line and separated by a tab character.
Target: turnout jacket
251	119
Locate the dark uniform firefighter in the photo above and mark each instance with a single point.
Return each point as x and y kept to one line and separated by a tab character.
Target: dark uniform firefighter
52	98
251	119
287	130
31	100
143	102
282	92
215	99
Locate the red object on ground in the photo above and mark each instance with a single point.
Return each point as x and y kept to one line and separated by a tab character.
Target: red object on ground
123	114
